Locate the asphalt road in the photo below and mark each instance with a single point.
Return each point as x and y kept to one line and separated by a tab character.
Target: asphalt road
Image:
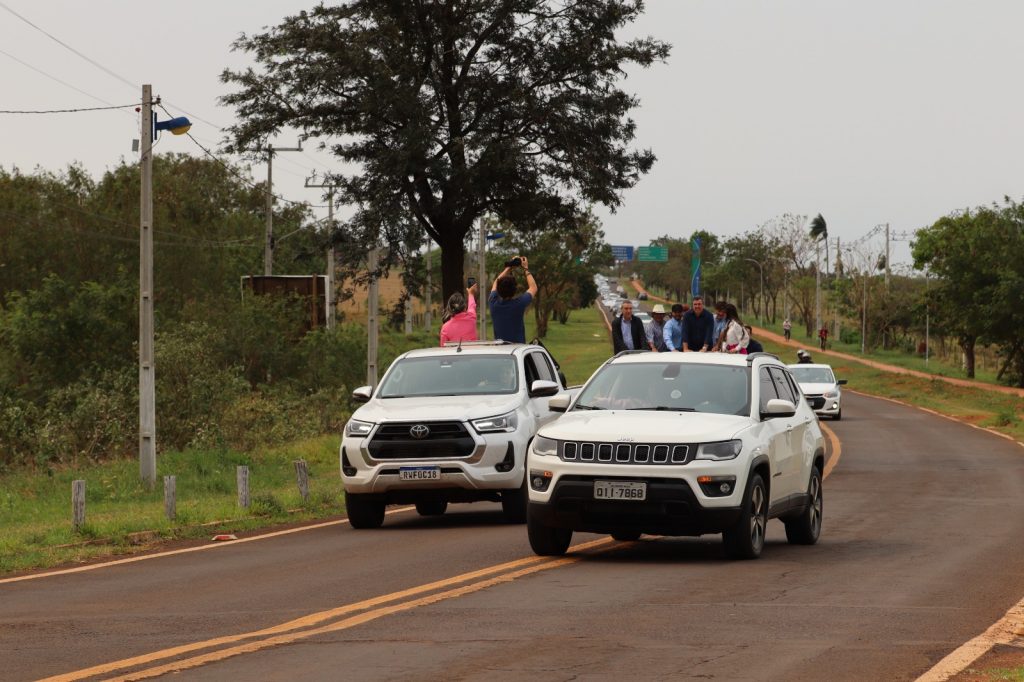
921	550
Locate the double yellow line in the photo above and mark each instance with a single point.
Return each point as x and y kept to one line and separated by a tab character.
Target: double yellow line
340	618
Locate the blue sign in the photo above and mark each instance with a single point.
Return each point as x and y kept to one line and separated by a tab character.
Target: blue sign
695	268
622	253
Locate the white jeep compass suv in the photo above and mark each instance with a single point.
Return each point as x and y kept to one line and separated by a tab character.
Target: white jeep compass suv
679	444
448	424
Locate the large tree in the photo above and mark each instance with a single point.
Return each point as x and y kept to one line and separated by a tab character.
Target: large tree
445	111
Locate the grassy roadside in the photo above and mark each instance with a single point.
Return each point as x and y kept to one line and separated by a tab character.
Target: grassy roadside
123	517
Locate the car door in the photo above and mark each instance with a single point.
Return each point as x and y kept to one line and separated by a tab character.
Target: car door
809	432
774	433
791	456
540	367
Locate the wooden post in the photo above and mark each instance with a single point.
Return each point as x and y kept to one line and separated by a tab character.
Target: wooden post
242	477
170	497
302	478
77	504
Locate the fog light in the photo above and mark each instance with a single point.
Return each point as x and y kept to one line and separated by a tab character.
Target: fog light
725	488
716	486
835	406
540	480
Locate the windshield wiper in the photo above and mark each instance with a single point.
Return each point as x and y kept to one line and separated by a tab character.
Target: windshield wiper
664	408
587	407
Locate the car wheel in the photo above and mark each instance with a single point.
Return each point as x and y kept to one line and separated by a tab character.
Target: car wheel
745	540
838	415
363	511
545	540
805	529
431	507
627	536
514	503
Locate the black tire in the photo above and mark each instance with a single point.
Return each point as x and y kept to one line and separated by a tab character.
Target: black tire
363	511
838	415
514	503
627	536
806	528
745	540
431	507
545	540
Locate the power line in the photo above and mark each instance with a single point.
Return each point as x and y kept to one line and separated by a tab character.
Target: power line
67	111
55	79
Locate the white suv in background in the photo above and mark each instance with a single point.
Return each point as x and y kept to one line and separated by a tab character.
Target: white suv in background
448	424
679	444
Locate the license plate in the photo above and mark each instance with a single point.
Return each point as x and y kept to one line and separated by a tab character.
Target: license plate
620	490
419	473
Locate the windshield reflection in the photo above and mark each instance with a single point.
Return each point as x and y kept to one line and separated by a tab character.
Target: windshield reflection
669	386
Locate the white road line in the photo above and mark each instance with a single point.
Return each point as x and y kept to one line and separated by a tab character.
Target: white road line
186	550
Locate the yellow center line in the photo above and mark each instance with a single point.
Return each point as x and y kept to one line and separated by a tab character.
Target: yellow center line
310	620
837	451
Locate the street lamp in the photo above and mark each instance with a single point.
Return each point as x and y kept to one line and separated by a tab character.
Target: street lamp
147	381
761	271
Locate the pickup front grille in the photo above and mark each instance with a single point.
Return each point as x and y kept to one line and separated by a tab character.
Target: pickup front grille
624	453
443	440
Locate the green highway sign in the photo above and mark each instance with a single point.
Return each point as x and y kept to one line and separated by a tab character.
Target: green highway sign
653	253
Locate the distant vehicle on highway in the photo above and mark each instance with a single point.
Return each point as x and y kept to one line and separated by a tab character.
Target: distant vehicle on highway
821	388
445	425
642	296
679	444
644	317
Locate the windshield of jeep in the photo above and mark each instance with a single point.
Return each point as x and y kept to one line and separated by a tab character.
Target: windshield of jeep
450	375
669	386
813	375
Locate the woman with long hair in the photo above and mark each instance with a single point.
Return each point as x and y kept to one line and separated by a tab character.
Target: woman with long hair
736	335
459	317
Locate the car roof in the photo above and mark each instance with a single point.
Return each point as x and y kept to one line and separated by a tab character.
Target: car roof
726	359
472	348
810	365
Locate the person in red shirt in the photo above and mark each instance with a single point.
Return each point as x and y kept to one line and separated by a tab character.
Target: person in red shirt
460	317
823	336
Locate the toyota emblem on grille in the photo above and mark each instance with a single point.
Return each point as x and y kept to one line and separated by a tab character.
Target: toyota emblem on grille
420	431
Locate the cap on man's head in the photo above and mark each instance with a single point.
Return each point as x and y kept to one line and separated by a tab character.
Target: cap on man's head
658	309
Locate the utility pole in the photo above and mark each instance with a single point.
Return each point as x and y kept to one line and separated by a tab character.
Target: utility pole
817	286
268	247
481	308
147	379
834	288
371	319
329	294
887	256
927	320
428	315
864	316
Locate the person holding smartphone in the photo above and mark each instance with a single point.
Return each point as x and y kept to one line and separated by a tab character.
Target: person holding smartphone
507	309
459	316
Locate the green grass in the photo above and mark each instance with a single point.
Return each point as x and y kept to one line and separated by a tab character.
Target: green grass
998	674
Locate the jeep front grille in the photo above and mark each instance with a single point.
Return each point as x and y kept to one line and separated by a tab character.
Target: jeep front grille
624	453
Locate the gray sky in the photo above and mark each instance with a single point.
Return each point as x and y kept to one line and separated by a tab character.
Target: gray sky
866	111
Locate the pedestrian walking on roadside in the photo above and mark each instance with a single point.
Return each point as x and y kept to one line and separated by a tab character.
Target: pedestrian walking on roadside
459	317
507	309
698	327
674	329
736	336
719	329
787	328
628	331
823	336
656	330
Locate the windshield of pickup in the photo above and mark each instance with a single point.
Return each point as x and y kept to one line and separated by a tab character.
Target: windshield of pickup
668	386
450	375
813	375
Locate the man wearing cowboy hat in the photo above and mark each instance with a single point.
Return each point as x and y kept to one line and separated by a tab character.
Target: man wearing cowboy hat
656	330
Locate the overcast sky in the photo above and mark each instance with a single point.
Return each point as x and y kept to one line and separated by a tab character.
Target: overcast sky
865	111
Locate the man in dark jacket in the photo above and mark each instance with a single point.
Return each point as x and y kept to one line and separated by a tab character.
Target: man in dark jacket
628	331
698	327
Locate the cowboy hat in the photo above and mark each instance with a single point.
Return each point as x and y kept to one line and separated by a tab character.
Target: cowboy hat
659	308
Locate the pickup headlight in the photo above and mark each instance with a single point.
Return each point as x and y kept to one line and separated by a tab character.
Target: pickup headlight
546	447
729	449
834	393
506	423
358	428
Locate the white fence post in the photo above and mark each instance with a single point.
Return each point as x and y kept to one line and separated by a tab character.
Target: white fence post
242	477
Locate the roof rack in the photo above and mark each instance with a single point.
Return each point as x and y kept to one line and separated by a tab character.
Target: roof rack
464	344
754	356
629	352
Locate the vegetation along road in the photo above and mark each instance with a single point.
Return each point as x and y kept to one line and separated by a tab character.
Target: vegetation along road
922	525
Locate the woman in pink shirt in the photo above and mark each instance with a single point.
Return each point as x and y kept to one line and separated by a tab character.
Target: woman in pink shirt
460	322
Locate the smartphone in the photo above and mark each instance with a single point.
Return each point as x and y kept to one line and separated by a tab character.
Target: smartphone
470	282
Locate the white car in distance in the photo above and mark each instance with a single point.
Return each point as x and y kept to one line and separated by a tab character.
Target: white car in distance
679	444
446	425
821	388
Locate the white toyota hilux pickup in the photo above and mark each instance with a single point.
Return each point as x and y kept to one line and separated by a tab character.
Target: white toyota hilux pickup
445	425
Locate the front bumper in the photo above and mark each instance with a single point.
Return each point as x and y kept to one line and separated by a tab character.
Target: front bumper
831	407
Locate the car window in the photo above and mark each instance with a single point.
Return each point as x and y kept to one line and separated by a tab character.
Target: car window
451	375
766	388
541	367
670	386
794	386
782	386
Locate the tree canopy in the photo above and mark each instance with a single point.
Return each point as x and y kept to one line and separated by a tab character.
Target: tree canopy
444	112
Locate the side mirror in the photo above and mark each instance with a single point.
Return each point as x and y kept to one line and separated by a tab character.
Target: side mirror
541	388
777	407
362	394
841	382
560	403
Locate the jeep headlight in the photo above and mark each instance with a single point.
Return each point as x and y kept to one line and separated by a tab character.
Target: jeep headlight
729	449
357	428
506	423
546	447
